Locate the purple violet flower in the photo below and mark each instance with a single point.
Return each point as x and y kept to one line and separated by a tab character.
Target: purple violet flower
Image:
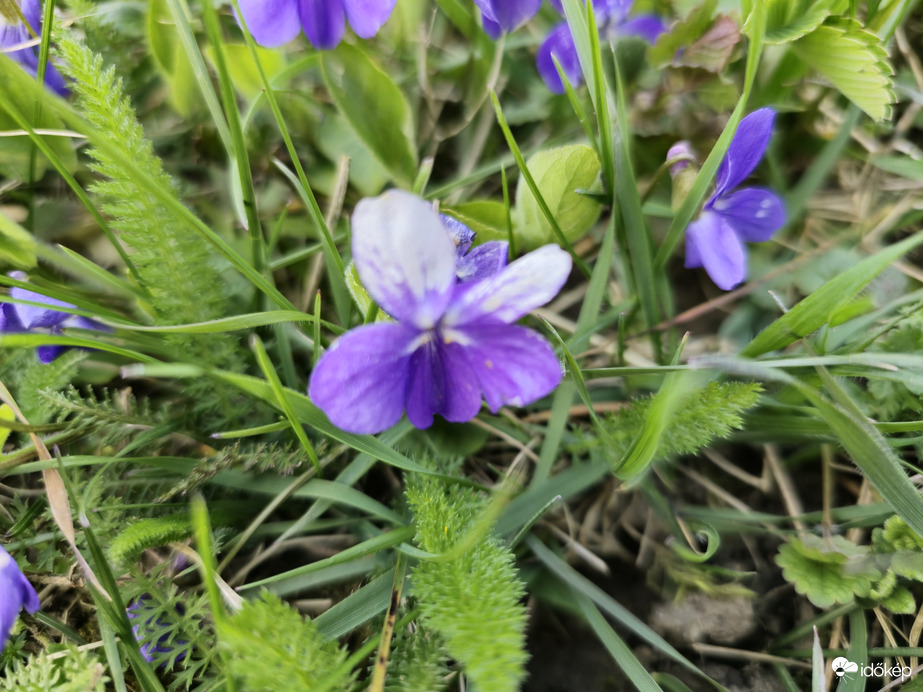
501	16
611	20
479	263
274	22
15	37
16	593
453	342
16	318
147	629
732	217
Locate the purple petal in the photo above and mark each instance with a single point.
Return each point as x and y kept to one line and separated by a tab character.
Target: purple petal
441	382
746	150
513	365
32	316
360	382
558	6
611	12
404	256
525	284
49	354
461	235
646	26
14	34
16	593
271	22
9	320
754	213
324	22
507	14
717	248
483	261
366	17
491	28
560	45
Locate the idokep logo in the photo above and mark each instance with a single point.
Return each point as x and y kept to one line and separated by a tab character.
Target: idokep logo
843	666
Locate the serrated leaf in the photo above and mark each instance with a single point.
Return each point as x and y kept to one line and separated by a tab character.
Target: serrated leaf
900	601
908	564
375	108
790	20
559	173
683	33
827	570
854	62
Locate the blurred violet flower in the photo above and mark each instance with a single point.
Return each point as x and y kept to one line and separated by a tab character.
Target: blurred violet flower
15	35
16	593
16	318
611	20
453	341
732	217
482	261
274	22
149	627
504	16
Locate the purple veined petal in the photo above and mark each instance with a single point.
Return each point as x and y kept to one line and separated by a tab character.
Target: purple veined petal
9	320
32	316
527	283
646	26
271	22
746	150
483	261
754	213
491	28
441	382
366	17
508	15
323	21
718	248
513	365
560	45
16	35
461	235
17	593
404	256
360	382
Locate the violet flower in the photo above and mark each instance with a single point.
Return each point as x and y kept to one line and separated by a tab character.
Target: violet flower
483	261
499	16
730	218
274	22
16	318
147	629
612	22
16	593
453	342
14	35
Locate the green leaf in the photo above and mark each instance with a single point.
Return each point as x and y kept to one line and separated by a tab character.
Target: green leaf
170	56
900	601
790	20
336	139
815	310
244	71
903	166
17	247
485	217
375	107
19	95
827	570
559	173
6	413
854	61
682	34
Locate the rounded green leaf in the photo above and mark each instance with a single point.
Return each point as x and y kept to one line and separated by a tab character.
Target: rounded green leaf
559	174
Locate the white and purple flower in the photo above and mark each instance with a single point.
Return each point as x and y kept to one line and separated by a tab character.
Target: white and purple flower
732	217
274	22
16	593
504	16
16	39
454	342
612	21
17	318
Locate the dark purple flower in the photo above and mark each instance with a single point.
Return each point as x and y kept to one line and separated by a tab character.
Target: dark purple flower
16	593
453	342
274	22
730	218
501	16
611	20
29	318
15	37
151	625
479	263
